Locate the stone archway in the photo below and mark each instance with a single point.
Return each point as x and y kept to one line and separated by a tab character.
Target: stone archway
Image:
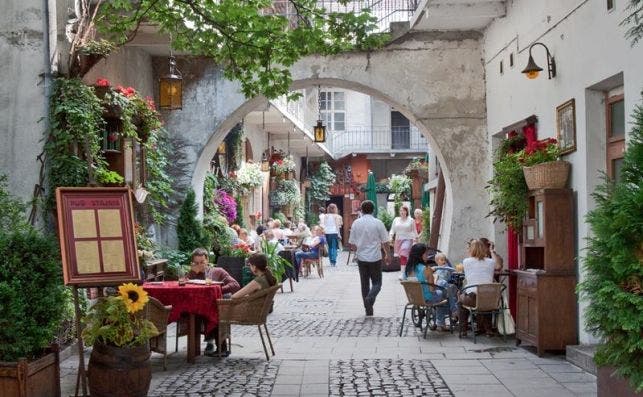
435	79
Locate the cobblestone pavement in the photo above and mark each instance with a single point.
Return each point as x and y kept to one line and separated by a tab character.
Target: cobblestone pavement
325	346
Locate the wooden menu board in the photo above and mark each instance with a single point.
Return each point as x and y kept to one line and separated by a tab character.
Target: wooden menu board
97	241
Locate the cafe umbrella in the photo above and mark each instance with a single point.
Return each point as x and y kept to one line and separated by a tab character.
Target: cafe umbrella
371	190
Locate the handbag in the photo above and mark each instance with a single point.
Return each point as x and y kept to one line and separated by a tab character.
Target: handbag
506	325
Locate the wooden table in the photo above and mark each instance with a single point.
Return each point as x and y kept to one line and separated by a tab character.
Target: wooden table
193	299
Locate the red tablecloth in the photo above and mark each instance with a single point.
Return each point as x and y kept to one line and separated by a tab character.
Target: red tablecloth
190	298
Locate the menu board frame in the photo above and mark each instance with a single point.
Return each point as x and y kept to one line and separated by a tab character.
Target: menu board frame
97	238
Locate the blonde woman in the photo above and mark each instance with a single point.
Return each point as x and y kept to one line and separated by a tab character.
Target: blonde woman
478	269
332	225
403	234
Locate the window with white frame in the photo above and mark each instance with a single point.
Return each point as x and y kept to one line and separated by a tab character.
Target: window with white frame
333	110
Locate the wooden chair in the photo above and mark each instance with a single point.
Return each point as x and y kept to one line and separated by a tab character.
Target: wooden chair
419	307
488	301
248	310
308	263
158	314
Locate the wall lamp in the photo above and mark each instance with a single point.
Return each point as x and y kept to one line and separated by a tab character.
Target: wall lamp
532	70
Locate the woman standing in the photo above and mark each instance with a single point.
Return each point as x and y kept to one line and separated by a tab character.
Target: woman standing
332	225
404	234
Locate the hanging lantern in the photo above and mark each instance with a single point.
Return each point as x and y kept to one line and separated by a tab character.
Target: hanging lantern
171	88
265	164
319	132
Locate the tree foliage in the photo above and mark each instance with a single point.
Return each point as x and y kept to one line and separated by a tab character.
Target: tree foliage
634	21
321	183
189	229
250	39
613	265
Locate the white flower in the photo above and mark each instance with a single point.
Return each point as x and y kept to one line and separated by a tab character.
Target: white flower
250	175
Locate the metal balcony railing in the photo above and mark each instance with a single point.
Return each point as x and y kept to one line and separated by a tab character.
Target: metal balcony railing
377	140
386	11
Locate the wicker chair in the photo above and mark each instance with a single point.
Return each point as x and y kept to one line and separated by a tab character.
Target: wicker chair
158	314
419	307
488	301
248	310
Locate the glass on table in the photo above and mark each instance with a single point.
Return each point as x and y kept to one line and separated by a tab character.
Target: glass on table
208	275
182	275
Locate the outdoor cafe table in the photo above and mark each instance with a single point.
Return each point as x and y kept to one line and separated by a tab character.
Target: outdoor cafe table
193	299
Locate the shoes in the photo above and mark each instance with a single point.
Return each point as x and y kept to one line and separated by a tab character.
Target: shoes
210	352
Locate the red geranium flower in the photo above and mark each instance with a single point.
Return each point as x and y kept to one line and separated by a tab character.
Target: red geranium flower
102	82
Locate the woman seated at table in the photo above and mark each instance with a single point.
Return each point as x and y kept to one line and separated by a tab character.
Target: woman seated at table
310	247
478	269
263	277
416	269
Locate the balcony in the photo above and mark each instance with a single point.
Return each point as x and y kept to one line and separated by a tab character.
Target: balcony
377	140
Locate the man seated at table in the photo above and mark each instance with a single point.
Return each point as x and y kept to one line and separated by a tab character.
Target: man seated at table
310	247
198	270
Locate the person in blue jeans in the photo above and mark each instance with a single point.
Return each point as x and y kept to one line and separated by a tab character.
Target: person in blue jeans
332	223
417	269
313	246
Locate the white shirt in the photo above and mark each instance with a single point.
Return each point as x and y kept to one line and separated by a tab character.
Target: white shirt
478	271
368	234
331	223
403	229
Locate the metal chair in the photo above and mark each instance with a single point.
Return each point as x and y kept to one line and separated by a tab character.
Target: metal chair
418	305
488	301
158	314
248	310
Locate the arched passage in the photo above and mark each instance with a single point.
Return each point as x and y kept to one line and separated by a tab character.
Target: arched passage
440	88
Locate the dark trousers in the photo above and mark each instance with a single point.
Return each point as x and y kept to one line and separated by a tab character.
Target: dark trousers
370	275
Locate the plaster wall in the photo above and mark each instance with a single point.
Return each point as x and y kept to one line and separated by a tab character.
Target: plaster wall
591	53
22	95
127	67
448	107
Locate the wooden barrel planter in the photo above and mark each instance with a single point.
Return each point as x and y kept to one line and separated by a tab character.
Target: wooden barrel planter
119	371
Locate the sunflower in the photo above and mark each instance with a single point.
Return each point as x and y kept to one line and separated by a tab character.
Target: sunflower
134	297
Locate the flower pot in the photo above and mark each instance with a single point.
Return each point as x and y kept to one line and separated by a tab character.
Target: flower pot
612	385
39	377
550	175
119	371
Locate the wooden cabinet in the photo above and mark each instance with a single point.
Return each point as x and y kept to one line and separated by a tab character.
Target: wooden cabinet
546	315
546	300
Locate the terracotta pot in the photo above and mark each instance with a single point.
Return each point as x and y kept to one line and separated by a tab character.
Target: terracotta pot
119	371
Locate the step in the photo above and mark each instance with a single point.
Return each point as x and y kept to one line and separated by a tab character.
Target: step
582	356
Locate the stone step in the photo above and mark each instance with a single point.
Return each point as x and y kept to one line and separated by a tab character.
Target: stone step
582	356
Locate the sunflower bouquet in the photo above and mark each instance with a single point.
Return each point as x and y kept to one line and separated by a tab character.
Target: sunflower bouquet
119	320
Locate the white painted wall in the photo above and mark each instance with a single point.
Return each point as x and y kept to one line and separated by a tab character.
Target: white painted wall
589	47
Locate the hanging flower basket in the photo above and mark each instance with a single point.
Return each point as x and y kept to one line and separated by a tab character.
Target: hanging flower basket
549	175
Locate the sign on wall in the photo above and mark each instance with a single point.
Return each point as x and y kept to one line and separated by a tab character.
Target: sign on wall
97	241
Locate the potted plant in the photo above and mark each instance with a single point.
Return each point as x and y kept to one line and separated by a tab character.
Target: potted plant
276	263
417	168
613	273
250	175
542	165
283	167
32	296
119	332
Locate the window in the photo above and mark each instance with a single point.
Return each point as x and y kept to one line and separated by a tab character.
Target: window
333	110
511	60
615	112
610	5
501	68
400	131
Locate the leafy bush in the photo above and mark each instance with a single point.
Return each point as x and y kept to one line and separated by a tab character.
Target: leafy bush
321	182
508	191
175	260
613	265
386	217
31	293
11	209
280	216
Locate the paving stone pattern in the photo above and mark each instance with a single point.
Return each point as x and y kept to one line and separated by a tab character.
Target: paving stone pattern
231	377
319	325
386	378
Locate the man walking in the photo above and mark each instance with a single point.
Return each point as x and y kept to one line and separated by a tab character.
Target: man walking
368	237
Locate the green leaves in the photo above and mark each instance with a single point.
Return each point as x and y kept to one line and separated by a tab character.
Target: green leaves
321	182
508	191
614	265
254	44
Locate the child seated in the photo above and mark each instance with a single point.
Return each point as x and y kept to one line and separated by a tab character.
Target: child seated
443	270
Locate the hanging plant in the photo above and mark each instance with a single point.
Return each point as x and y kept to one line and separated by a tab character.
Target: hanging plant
250	175
321	182
284	165
226	204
